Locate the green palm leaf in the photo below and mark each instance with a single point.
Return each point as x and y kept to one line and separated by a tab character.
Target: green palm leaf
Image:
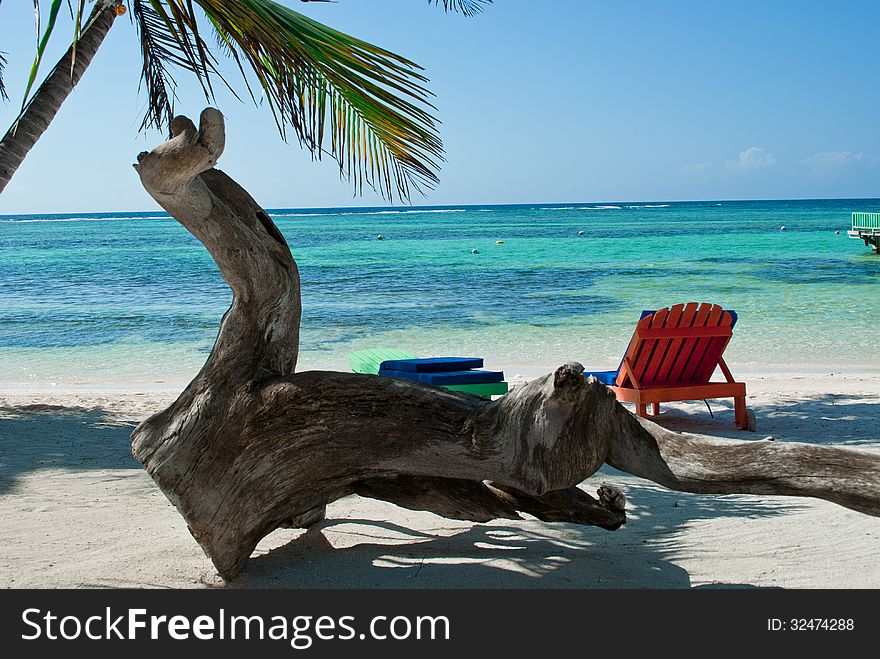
364	106
466	7
2	87
41	43
77	29
160	41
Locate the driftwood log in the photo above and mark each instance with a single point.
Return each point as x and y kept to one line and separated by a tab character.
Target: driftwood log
251	445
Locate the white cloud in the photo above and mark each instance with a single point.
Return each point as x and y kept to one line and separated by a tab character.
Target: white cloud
697	168
755	157
827	160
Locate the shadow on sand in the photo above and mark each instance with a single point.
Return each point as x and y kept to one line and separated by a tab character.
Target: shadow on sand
429	552
528	554
34	437
844	420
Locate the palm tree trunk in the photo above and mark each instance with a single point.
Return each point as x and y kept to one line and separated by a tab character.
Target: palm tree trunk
47	100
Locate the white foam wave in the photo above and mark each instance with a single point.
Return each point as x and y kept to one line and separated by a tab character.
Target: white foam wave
650	206
409	212
385	212
84	219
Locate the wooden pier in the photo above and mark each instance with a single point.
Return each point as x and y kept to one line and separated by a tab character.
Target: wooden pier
866	226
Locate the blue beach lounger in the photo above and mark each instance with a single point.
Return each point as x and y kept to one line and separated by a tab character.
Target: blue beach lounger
453	373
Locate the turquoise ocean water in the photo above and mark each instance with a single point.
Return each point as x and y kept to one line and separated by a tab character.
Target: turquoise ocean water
131	298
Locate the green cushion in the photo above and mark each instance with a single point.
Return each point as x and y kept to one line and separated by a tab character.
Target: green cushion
484	389
368	361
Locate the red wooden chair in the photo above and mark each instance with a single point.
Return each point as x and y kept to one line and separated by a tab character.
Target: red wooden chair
673	354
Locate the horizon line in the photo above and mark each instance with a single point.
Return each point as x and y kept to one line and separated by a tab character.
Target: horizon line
482	205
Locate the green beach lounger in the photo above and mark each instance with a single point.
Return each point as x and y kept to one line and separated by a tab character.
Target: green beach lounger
453	373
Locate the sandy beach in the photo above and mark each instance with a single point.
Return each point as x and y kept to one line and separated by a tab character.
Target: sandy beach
78	511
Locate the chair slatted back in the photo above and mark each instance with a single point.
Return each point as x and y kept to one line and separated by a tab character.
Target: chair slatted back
678	345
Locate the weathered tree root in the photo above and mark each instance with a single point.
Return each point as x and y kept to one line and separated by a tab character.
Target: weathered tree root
251	446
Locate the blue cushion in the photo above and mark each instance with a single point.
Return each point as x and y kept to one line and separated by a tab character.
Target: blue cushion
452	377
432	365
605	377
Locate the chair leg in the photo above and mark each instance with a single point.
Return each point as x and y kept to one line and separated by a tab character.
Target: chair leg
655	409
741	412
642	409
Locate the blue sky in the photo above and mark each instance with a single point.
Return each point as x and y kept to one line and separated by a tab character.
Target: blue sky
571	100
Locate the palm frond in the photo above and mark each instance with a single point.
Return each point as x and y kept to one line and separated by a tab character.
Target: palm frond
364	106
37	19
2	87
167	40
158	50
42	42
77	31
466	7
181	23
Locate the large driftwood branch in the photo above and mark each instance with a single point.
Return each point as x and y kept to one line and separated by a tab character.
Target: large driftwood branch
708	465
251	445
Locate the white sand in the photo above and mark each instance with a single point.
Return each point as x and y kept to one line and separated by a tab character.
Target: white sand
77	510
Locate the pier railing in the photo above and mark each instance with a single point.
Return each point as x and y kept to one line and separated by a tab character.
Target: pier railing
865	221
